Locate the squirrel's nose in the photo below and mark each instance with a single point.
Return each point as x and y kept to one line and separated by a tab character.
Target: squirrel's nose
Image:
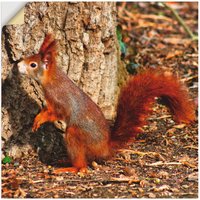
22	67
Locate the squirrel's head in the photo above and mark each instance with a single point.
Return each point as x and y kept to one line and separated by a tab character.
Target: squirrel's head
36	65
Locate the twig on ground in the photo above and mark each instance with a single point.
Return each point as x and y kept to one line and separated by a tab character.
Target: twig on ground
159	163
191	147
189	78
181	21
142	153
161	117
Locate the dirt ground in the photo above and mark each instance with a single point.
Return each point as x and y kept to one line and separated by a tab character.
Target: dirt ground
163	161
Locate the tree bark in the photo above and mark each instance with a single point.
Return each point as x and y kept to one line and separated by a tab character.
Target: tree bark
88	54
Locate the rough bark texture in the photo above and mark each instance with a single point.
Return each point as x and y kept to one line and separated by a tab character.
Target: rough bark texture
88	53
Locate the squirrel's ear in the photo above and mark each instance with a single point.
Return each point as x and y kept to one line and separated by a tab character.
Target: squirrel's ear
49	54
47	60
47	41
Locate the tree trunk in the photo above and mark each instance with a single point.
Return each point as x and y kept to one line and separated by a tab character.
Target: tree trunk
88	53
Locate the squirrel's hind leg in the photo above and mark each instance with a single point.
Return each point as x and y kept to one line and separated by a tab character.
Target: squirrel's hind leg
76	149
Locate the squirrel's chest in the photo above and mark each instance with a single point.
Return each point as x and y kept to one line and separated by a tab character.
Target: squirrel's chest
66	104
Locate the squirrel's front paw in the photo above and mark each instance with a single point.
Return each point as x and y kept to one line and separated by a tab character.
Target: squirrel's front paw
36	125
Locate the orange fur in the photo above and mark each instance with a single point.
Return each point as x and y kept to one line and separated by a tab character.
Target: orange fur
75	146
88	136
137	97
47	41
47	114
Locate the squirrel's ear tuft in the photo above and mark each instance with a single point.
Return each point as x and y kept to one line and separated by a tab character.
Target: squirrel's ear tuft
48	57
47	41
48	51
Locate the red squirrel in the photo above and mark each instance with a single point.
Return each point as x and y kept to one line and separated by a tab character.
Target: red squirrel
88	136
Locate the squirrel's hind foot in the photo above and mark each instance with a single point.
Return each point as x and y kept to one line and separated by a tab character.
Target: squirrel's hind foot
70	170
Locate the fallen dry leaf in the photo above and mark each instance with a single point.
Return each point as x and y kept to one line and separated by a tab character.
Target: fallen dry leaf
173	54
180	126
161	188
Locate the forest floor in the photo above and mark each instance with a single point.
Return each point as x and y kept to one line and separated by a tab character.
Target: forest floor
163	161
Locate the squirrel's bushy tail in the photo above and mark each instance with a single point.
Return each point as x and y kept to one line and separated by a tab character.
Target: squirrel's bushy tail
137	97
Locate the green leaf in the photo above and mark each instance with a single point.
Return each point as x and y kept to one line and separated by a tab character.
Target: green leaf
119	34
7	159
122	48
121	43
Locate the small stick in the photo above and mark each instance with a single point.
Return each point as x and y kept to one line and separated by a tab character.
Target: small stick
162	163
142	153
192	147
170	163
189	78
162	117
180	20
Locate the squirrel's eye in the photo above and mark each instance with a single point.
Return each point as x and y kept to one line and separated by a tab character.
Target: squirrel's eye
33	65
